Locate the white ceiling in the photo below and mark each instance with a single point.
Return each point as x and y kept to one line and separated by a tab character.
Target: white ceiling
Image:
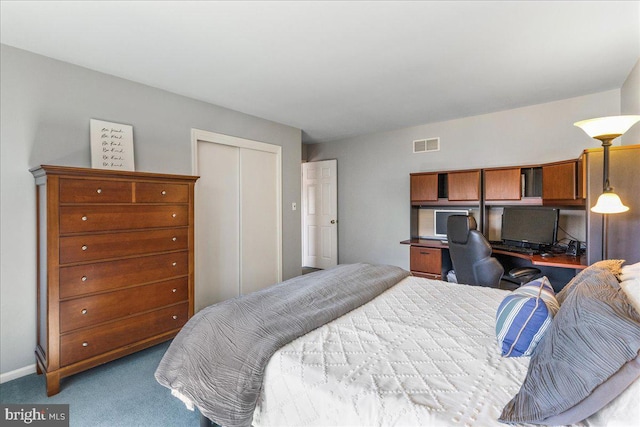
338	69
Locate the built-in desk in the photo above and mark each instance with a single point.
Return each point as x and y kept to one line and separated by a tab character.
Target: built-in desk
430	258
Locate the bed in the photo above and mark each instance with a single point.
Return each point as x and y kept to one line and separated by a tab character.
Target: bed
415	352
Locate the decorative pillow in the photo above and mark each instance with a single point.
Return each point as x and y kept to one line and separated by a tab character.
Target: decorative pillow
591	274
592	339
524	316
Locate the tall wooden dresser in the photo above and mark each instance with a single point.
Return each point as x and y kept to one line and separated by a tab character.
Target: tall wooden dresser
115	265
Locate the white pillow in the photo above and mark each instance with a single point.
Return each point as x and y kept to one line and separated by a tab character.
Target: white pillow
623	411
630	272
631	288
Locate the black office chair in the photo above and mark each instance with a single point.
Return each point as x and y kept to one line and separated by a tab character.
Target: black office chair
471	253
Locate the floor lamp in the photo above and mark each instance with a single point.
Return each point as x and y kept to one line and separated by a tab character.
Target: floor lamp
606	129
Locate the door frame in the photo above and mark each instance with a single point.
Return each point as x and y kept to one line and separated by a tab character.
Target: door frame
234	141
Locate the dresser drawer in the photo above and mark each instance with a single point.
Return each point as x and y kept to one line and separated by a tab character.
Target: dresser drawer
80	345
153	192
95	309
116	245
104	276
426	260
95	191
82	219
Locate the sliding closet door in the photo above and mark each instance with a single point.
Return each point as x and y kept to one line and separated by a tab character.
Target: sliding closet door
237	217
217	224
259	221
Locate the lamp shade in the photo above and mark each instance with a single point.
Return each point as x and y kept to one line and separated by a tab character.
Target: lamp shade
609	203
607	127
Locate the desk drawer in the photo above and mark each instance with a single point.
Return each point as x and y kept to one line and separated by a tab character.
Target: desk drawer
82	219
90	342
153	192
426	260
104	276
95	191
116	245
95	309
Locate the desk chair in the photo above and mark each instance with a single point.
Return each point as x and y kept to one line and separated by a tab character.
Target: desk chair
471	253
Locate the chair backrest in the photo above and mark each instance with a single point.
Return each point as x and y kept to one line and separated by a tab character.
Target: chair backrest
471	253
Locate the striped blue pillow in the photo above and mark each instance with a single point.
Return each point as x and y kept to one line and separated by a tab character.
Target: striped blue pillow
524	316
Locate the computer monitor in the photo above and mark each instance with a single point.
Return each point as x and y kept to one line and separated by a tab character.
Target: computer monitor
530	227
440	218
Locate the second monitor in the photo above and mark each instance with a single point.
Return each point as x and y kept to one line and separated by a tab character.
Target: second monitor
530	227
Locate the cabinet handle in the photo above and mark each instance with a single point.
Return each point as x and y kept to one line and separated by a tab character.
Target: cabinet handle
174	317
84	311
425	253
84	218
164	193
99	191
84	278
174	290
84	247
174	239
174	264
173	215
85	344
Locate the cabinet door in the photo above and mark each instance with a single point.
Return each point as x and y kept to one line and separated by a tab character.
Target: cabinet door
426	260
464	186
424	188
559	182
502	184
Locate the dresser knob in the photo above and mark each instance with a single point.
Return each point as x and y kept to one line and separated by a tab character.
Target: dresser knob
85	344
84	278
174	239
173	215
84	218
174	290
174	264
99	191
84	311
174	317
164	193
84	247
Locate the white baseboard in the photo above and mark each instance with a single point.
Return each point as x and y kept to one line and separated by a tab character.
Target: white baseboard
17	373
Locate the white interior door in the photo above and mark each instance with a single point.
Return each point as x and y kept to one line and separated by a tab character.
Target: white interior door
238	232
320	214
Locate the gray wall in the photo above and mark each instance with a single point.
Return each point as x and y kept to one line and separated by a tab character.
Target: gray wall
45	110
373	170
630	104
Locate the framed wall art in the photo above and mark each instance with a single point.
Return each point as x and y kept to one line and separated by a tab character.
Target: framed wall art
111	145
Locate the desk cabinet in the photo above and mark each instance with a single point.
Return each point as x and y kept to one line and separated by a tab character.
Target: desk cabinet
426	262
453	187
424	187
115	271
502	184
562	183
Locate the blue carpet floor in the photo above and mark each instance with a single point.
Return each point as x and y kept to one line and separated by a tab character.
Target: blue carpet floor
120	393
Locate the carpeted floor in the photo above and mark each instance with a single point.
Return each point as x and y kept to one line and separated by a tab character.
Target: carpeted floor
120	393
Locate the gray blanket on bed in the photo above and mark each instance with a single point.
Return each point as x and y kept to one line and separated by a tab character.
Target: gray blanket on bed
218	359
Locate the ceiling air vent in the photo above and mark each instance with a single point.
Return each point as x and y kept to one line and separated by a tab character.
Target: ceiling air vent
425	145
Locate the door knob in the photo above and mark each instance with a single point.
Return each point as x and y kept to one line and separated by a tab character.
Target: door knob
333	221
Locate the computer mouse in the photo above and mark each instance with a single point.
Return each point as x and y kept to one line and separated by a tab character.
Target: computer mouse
547	255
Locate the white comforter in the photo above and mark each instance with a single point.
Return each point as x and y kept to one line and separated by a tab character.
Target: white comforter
422	353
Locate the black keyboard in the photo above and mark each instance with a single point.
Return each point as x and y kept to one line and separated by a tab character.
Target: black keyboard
517	249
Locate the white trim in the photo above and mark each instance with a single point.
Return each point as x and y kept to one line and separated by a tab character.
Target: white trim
234	141
17	373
